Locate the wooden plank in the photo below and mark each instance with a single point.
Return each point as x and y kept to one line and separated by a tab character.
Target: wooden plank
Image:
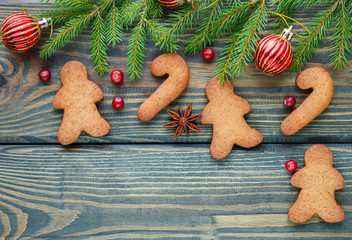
27	116
156	191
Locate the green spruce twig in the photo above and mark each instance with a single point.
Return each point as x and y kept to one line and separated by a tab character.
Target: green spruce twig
305	49
242	44
342	35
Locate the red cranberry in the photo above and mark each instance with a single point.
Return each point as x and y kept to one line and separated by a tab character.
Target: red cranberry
289	101
118	103
44	75
208	54
291	165
116	76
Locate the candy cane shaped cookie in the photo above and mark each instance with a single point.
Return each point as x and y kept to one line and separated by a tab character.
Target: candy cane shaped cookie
323	90
174	65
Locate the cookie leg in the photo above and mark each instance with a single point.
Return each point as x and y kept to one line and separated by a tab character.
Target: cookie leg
220	147
97	126
330	211
68	132
250	138
301	211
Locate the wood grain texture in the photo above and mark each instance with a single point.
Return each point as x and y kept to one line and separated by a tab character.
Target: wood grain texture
158	191
27	116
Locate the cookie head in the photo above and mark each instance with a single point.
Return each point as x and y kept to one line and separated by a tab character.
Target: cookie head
216	90
318	156
72	71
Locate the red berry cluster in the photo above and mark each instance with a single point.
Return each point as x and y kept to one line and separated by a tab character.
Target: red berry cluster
117	77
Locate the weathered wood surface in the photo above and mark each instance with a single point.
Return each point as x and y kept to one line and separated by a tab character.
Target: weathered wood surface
115	189
27	116
158	191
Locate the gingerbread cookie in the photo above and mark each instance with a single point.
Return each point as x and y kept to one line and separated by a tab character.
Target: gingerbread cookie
174	65
78	97
318	181
225	112
323	90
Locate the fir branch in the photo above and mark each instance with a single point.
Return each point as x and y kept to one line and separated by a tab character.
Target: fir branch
319	28
61	16
114	28
134	10
136	43
156	30
203	36
71	29
180	20
228	19
243	44
98	45
342	36
66	33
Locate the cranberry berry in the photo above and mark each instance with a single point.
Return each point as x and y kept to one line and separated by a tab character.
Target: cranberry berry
44	75
208	54
291	165
118	103
116	76
289	101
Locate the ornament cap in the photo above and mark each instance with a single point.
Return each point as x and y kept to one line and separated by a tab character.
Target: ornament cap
45	22
287	33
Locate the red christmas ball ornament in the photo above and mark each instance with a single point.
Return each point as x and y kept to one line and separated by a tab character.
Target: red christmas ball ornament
274	54
172	4
20	31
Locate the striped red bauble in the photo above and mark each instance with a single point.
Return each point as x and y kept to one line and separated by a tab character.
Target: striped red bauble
274	54
20	31
172	4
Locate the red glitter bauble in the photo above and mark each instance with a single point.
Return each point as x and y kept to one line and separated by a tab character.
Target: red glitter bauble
274	54
172	4
19	32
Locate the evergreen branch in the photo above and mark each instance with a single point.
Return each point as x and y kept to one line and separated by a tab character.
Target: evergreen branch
241	51
114	29
341	40
66	33
156	30
182	19
320	28
70	3
202	37
228	19
133	11
136	43
61	16
98	45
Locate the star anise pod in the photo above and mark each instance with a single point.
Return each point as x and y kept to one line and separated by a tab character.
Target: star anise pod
183	121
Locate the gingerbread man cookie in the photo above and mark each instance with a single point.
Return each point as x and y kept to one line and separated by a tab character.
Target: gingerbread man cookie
318	181
225	112
78	97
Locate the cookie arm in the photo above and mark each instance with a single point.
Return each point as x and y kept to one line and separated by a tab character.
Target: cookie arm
206	117
59	99
298	178
339	182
